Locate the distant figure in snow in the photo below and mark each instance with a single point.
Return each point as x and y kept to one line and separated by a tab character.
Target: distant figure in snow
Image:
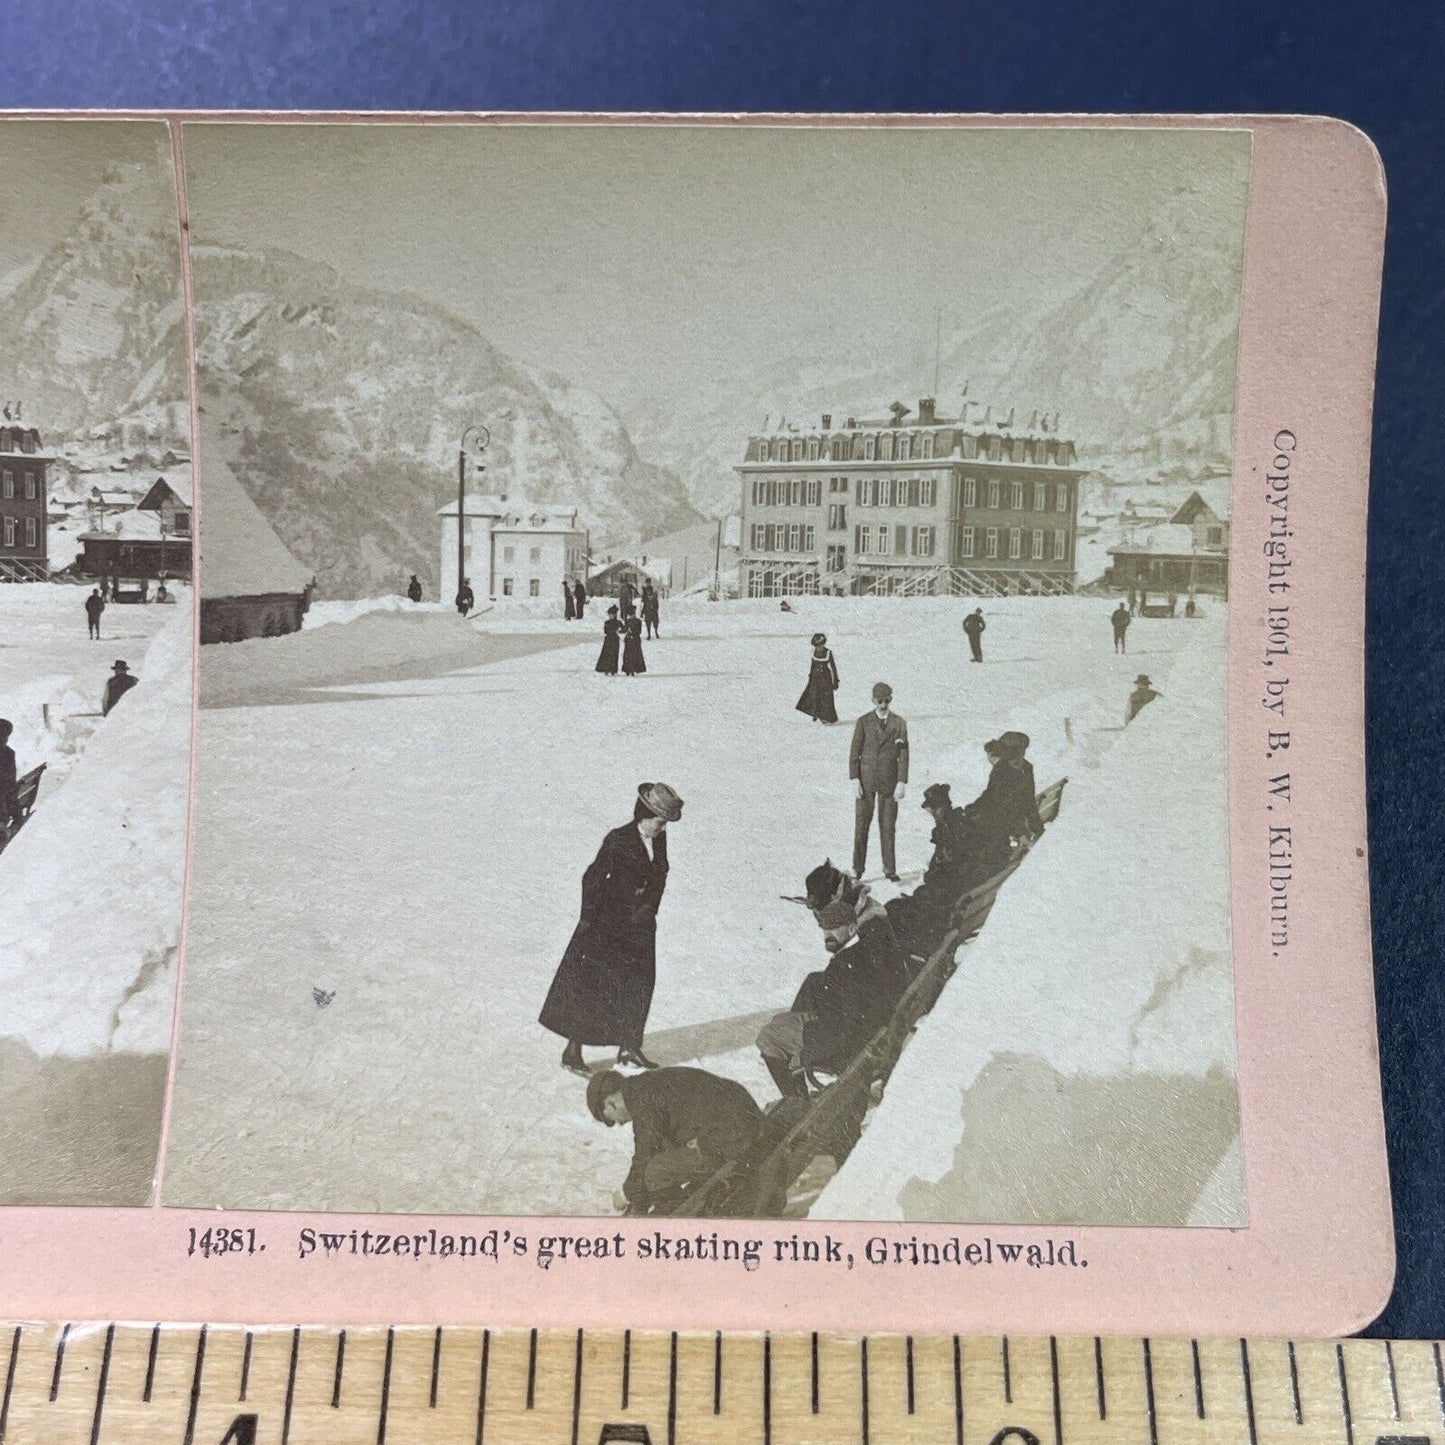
1190	610
9	788
607	658
786	606
627	600
1140	698
632	659
1173	603
649	608
579	599
817	699
466	598
413	588
1120	618
94	606
569	608
120	682
878	766
163	592
973	626
602	990
686	1124
1133	603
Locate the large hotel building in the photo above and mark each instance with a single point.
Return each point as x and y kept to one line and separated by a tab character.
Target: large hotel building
908	505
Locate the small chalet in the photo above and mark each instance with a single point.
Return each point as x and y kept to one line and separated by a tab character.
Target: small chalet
1188	553
150	539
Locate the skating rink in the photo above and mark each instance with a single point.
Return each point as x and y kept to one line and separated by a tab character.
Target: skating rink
386	874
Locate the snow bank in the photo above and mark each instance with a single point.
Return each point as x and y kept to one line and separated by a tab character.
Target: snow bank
87	959
1105	962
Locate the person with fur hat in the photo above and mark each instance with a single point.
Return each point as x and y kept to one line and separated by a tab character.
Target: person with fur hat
602	990
1140	698
817	699
686	1124
838	1009
1001	813
878	766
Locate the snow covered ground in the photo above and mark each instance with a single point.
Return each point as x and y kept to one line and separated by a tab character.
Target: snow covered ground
386	873
87	959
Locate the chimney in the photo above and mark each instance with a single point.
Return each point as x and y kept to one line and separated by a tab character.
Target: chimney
827	420
925	411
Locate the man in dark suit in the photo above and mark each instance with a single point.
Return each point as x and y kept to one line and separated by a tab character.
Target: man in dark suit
878	766
120	682
9	790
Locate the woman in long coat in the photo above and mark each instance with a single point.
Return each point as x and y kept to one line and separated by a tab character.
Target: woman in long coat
817	698
607	658
632	659
602	991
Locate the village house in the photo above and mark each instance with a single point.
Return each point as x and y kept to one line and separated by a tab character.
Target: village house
24	548
512	547
1189	553
913	503
149	539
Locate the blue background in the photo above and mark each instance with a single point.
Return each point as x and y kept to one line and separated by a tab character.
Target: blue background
1382	67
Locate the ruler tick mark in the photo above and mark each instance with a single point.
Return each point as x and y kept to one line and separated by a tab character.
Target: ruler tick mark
767	1389
1058	1403
385	1388
1248	1390
957	1390
576	1388
1198	1381
1008	1384
717	1373
436	1366
532	1370
908	1362
245	1367
59	1361
290	1386
196	1387
626	1366
1299	1416
672	1391
815	1372
151	1367
482	1385
340	1365
1345	1395
1439	1379
10	1383
863	1372
1099	1378
101	1387
1149	1393
1394	1382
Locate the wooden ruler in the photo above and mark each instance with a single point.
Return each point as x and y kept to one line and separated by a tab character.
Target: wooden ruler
172	1385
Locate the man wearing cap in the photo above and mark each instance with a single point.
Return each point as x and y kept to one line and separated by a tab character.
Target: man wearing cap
918	918
838	1009
602	990
117	685
1141	697
878	766
686	1124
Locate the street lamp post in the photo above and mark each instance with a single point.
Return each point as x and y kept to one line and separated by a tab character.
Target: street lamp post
478	437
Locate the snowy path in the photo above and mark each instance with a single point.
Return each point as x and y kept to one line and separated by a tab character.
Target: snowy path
417	848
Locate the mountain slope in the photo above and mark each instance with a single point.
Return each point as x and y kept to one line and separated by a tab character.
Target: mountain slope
340	409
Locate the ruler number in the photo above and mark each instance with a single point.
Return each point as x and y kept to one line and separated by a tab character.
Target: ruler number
1027	1437
242	1431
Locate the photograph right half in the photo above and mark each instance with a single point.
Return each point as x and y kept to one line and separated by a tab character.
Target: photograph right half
713	679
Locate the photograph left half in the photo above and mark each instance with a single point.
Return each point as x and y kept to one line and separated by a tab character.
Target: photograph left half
96	673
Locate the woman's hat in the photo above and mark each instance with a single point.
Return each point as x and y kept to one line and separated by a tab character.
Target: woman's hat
937	795
660	800
612	609
1012	742
819	638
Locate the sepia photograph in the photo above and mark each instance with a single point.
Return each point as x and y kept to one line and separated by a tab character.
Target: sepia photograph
712	671
96	668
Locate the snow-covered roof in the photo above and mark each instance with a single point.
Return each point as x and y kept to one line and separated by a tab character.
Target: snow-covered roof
133	525
1168	539
241	555
178	487
534	522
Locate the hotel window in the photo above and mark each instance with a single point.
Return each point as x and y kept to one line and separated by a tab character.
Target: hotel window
1016	496
9	531
837	517
1041	496
970	492
535	555
29	486
534	588
993	449
809	539
886	451
928	445
506	586
1038	547
758	531
990	542
508	554
797	451
837	557
812	449
837	484
815	491
30	531
887	488
7	484
1061	497
965	545
840	449
861	540
923	541
993	495
885	540
905	448
870	447
795	537
1061	546
929	492
1015	542
968	446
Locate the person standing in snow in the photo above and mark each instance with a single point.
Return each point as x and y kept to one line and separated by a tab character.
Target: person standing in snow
607	658
973	626
1140	698
117	685
1133	602
602	990
626	599
579	599
466	598
569	608
9	783
878	766
413	588
94	606
632	659
817	699
1120	618
649	608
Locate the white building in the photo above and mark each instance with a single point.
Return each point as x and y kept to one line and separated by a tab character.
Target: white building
513	548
